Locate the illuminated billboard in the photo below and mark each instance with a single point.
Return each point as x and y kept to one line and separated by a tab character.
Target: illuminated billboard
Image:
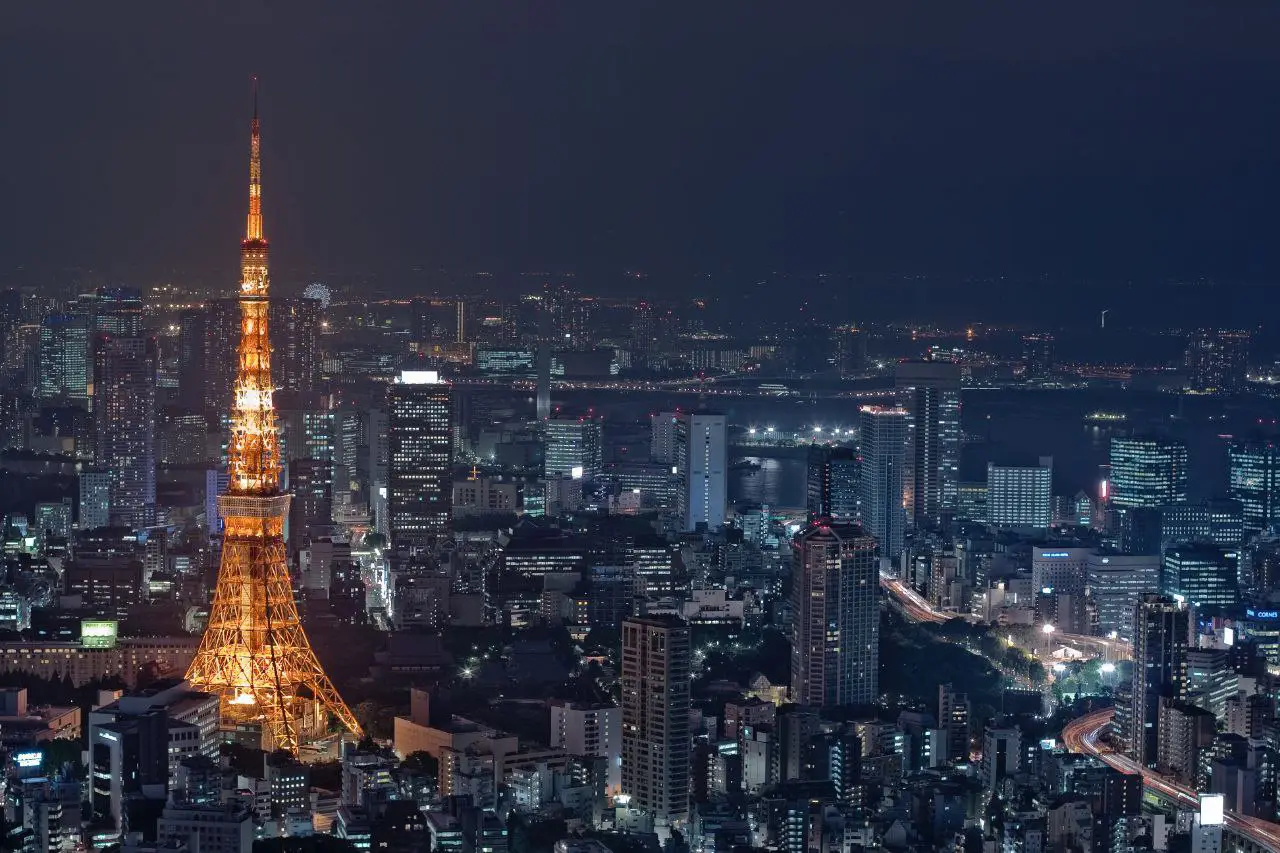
1212	810
29	759
98	634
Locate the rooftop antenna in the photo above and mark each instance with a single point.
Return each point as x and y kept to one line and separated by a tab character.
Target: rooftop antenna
1105	312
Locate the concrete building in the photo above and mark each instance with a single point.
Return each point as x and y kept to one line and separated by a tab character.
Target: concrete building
932	391
590	730
656	660
1020	497
835	647
702	470
881	488
420	457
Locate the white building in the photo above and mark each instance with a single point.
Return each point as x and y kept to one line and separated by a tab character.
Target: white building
1020	497
590	730
702	467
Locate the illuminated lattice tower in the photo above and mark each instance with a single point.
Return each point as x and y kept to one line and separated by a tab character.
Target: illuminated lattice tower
254	653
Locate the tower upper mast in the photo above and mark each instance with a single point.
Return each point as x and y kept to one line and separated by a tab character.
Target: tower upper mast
253	228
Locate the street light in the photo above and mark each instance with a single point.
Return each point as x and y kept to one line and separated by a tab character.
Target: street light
1047	628
1059	668
1108	668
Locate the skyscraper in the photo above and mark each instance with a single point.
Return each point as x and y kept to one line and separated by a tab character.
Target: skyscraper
1254	480
702	469
95	500
831	489
1217	359
1037	356
124	414
655	718
62	359
1201	574
1020	497
835	635
933	457
573	448
295	323
1161	631
880	486
255	655
420	457
1147	471
117	311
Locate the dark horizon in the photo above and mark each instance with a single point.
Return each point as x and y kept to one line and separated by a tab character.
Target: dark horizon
960	144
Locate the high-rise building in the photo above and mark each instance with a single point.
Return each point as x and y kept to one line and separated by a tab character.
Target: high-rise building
1037	355
62	360
662	444
1217	360
590	730
1059	569
1161	633
124	414
1020	497
1203	575
1254	480
881	493
95	499
655	718
1115	585
220	327
573	448
420	463
953	718
933	456
1147	471
1217	522
835	642
117	311
702	469
295	324
831	489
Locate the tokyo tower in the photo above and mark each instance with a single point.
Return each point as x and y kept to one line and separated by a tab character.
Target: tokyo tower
254	653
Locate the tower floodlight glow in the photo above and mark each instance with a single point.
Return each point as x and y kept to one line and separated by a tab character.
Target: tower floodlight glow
254	654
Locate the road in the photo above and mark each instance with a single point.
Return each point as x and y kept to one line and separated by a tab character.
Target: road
920	610
1084	736
912	604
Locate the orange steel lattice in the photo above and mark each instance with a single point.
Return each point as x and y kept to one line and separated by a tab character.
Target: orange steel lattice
254	653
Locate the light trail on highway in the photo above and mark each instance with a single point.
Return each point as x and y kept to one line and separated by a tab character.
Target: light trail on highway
1083	736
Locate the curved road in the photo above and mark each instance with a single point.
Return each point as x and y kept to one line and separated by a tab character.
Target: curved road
1083	736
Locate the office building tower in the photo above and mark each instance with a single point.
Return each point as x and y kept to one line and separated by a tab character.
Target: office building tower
1161	633
1254	480
662	443
1059	569
1203	575
1115	584
1217	522
573	448
835	641
831	488
117	311
420	463
932	395
589	730
221	335
95	499
1217	360
702	469
1037	356
953	719
128	756
295	324
881	493
124	413
1001	754
655	718
1019	497
62	360
1147	471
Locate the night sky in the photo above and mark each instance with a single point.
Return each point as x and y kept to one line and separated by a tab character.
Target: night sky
1110	139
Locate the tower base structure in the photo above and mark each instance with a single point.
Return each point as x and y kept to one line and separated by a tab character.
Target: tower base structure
255	655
